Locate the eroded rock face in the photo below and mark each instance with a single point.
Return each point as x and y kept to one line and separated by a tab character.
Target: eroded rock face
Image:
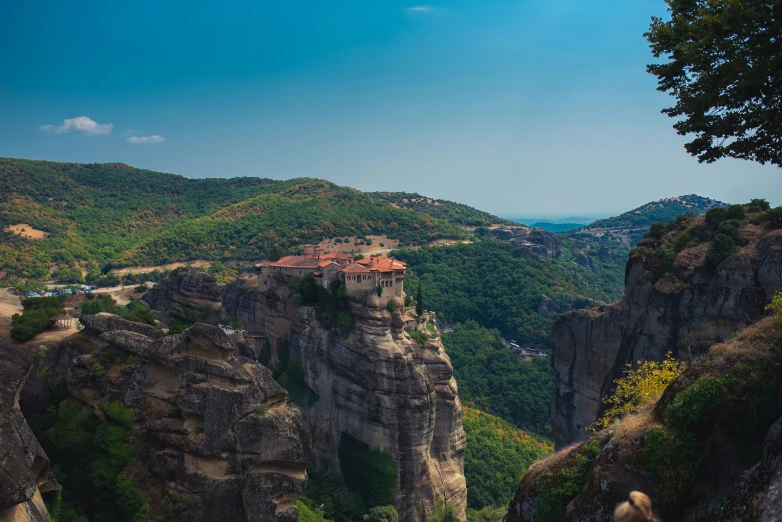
376	385
208	422
24	467
683	310
190	293
534	241
733	473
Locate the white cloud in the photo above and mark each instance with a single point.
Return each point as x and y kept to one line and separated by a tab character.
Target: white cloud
129	132
420	9
80	124
146	139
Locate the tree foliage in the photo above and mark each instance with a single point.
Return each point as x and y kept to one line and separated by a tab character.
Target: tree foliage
489	282
722	65
641	384
497	456
492	379
36	317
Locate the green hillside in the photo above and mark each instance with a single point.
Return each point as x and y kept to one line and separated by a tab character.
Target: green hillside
629	228
100	215
662	210
492	379
496	457
488	281
442	209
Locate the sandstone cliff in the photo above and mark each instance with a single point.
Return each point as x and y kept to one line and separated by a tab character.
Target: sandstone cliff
376	385
208	424
682	307
24	467
189	293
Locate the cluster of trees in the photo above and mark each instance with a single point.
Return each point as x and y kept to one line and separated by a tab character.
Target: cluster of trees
104	303
93	459
37	316
496	457
492	379
721	228
489	282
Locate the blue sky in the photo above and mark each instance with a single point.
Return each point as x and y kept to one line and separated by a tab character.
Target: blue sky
516	107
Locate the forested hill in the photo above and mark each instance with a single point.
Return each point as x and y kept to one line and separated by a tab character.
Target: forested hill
89	216
628	228
442	209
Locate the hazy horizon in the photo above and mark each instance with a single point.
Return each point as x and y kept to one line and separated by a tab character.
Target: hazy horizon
512	107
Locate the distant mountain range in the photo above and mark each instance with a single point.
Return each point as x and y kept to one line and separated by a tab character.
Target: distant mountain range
557	227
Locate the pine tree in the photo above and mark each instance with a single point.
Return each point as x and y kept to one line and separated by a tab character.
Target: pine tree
419	301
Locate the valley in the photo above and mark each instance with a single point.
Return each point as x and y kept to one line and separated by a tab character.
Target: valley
388	347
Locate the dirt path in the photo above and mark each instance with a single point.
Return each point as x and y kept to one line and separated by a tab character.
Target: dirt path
169	266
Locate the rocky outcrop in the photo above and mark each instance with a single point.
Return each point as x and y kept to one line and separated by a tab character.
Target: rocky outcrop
24	467
534	242
682	309
375	385
104	322
709	449
209	423
189	293
268	316
585	260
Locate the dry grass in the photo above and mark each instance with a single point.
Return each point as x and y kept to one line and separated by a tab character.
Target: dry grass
26	231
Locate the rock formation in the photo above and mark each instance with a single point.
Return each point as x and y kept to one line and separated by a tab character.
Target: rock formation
534	242
682	309
588	262
376	385
209	423
189	293
24	467
709	449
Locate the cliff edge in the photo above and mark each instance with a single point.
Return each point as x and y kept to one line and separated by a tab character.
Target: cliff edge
677	300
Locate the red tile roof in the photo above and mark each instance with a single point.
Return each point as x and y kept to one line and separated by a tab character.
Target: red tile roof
296	262
382	264
336	255
354	268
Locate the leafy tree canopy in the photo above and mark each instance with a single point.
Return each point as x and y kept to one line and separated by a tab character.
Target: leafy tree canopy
723	63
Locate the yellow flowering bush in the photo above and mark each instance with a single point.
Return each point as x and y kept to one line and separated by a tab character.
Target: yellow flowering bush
640	385
776	308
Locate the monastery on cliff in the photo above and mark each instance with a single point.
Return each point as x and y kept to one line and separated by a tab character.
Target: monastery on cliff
359	276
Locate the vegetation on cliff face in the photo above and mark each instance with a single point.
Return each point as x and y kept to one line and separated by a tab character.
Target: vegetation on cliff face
492	379
689	450
102	215
642	384
487	281
496	457
93	464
